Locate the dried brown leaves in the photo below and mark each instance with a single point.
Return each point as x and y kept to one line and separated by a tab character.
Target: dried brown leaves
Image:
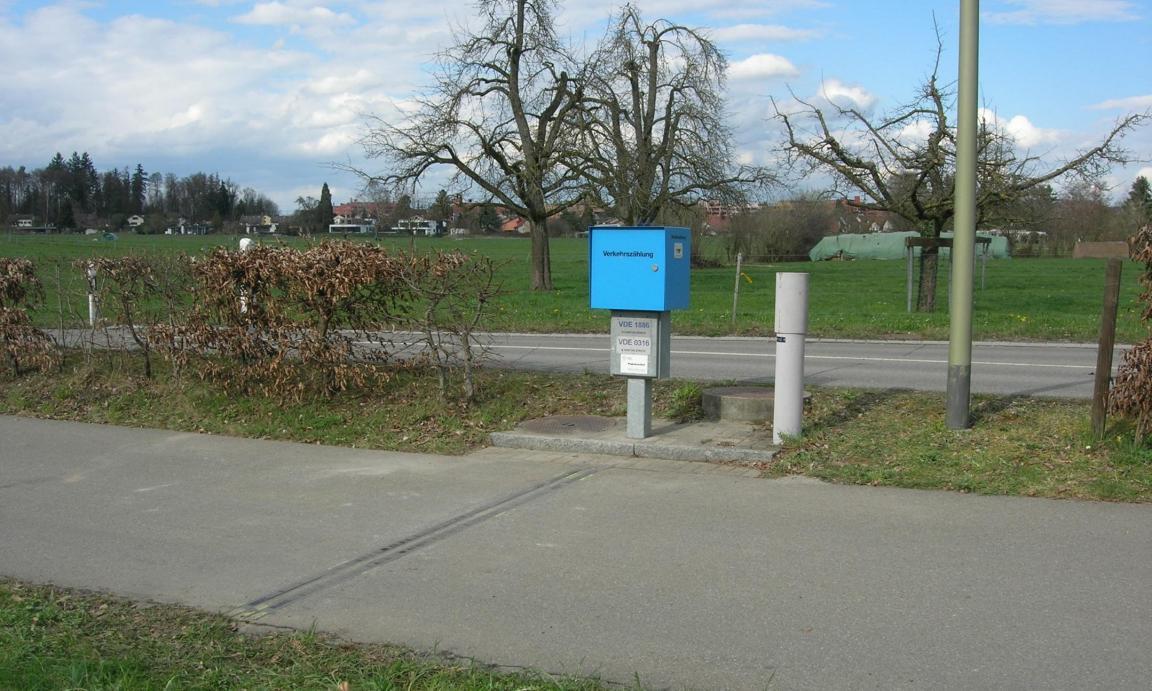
280	321
1132	392
22	345
287	322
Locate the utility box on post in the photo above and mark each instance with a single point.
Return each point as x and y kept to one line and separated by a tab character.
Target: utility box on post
639	269
641	274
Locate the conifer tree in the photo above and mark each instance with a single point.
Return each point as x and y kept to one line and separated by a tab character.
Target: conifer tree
139	186
324	213
1139	202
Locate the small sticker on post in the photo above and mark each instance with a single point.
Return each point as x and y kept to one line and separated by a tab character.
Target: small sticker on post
781	339
633	364
677	250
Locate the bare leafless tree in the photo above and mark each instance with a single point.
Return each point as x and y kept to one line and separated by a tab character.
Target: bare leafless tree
904	162
500	115
653	132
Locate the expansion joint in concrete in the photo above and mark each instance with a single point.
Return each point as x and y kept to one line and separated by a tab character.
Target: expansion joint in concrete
259	607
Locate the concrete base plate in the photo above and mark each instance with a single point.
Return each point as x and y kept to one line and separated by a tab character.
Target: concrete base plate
719	441
739	403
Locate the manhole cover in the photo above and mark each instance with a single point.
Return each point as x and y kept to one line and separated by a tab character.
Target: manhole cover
567	424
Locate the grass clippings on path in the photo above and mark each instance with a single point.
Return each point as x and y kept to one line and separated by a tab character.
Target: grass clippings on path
1017	446
52	638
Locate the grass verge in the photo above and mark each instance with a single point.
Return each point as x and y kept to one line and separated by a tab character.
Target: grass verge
404	413
52	638
1017	446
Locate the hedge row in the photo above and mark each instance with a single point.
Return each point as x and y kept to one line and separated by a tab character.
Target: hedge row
281	321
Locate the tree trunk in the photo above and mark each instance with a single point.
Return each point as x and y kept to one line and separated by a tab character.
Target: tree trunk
541	260
929	266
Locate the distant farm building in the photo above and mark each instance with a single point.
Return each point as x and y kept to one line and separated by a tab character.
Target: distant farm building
888	246
184	227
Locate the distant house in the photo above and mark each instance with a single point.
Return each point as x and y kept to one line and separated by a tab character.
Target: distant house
135	221
25	221
347	226
355	209
419	226
514	225
258	224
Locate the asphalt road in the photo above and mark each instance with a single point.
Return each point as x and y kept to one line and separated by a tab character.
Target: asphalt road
1036	369
1025	369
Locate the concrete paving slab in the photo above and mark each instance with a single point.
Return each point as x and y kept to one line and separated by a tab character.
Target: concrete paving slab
728	441
715	582
216	521
568	563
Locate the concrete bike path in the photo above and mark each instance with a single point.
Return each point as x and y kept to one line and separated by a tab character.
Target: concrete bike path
683	575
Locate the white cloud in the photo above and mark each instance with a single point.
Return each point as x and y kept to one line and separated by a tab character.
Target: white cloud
328	144
915	132
190	88
1119	182
745	9
590	11
844	96
761	32
1028	135
276	88
1130	103
193	114
341	83
1063	12
762	66
1021	129
278	13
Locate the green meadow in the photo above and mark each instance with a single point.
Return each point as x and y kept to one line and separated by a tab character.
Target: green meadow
1022	299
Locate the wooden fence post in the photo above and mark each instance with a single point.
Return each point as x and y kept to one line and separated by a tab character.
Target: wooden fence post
1104	351
736	288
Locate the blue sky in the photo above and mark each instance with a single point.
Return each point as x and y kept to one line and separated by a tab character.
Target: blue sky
270	93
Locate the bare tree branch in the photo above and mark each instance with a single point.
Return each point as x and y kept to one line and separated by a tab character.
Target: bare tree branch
500	115
652	131
912	175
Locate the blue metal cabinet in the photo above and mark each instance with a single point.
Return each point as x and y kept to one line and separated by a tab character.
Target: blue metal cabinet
642	269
